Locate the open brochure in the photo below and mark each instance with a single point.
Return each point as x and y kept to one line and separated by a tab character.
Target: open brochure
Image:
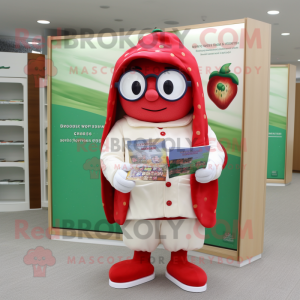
148	159
184	161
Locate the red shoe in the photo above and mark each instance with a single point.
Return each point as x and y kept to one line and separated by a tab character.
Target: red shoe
184	274
132	272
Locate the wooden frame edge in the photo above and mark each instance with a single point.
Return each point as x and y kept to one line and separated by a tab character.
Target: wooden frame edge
252	209
242	150
279	181
220	252
290	124
87	234
286	179
280	66
296	158
49	106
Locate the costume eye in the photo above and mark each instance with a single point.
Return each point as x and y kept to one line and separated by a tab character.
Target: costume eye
136	87
171	85
168	87
132	85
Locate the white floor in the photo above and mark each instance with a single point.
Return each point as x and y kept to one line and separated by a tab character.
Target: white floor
81	269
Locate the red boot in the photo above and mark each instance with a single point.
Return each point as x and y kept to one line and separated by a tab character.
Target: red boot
184	274
132	272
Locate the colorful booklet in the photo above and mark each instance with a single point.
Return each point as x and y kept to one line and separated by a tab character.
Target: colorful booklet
148	159
184	161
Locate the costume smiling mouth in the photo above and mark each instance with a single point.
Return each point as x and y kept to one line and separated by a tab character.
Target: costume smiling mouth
154	110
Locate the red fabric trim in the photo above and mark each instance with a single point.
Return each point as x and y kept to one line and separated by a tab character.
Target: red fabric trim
226	157
204	199
107	192
121	206
168	161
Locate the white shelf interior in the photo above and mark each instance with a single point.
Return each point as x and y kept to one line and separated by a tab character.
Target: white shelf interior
11	91
14	196
11	152
13	111
12	193
43	139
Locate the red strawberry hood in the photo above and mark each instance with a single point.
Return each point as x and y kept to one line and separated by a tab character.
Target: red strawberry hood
163	47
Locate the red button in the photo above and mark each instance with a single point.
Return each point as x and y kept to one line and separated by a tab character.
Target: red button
163	133
169	202
159	128
168	184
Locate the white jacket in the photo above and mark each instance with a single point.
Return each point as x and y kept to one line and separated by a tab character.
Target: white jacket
148	199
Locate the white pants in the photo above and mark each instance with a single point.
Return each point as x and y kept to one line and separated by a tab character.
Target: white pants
146	235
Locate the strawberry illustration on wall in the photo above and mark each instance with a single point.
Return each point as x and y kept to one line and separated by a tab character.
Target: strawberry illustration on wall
222	86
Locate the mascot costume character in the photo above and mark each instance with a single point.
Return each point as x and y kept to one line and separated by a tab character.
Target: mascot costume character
157	87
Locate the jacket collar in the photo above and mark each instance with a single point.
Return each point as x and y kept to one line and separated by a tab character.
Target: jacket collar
177	123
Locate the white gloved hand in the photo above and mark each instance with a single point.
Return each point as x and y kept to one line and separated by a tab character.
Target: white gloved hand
120	182
208	174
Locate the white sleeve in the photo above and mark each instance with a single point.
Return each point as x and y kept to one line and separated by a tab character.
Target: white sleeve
112	152
216	154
